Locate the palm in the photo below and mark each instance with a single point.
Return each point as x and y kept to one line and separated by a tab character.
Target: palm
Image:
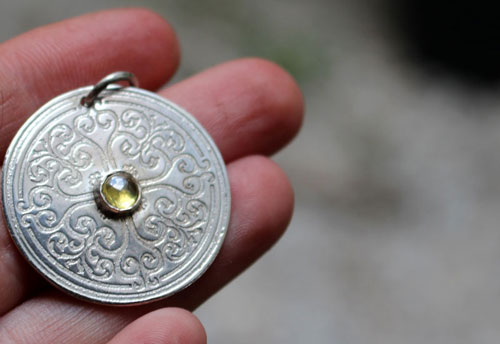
249	106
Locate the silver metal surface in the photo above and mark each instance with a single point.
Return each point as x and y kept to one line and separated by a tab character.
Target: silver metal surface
65	149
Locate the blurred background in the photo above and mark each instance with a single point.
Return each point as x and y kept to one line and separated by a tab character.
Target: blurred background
395	238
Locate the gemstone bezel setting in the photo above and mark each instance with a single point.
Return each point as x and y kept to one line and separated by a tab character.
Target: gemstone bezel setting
110	206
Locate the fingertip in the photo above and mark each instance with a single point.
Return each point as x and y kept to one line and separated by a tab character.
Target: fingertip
258	183
282	97
282	215
193	330
163	326
249	106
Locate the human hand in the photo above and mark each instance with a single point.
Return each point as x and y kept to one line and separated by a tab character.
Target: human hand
249	106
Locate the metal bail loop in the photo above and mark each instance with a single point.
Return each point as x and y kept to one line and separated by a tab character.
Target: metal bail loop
90	98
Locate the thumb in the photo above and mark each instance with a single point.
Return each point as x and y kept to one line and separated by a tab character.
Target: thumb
163	326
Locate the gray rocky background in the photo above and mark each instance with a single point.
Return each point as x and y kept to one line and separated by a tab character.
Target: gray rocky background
395	237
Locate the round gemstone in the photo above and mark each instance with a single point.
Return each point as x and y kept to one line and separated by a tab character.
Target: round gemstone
120	192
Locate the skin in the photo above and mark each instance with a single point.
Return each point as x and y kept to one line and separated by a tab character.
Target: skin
251	107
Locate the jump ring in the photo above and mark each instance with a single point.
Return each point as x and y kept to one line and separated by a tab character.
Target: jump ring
90	98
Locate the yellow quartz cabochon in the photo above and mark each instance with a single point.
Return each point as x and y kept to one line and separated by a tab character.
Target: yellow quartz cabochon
120	190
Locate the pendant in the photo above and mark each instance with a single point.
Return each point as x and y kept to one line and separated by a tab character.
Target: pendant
116	195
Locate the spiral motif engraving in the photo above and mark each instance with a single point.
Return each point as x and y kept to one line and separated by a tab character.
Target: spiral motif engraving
65	150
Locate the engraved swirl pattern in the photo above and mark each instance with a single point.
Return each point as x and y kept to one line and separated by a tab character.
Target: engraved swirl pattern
182	195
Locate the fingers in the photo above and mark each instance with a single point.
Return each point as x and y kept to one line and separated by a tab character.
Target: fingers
45	62
262	203
164	326
249	106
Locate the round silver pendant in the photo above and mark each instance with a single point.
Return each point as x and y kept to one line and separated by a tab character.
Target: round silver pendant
120	199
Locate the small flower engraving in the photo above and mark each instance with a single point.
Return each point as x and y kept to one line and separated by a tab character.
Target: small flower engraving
95	178
131	169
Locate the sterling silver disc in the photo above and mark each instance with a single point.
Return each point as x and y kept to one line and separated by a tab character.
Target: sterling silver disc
61	156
